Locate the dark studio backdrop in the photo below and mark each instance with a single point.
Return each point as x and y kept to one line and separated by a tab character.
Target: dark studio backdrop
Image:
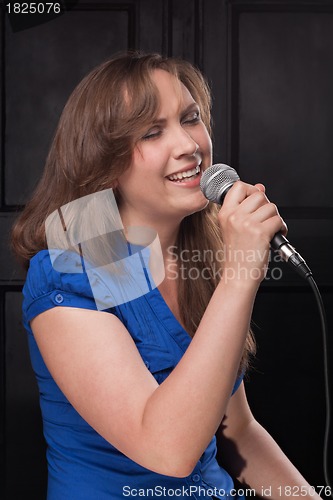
270	66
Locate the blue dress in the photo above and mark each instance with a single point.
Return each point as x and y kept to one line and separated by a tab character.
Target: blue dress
81	464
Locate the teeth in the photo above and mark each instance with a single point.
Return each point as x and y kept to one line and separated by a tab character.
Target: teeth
183	175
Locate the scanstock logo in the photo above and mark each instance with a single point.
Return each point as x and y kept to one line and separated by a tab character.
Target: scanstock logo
87	236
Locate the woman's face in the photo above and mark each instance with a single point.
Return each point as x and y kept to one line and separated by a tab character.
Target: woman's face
163	179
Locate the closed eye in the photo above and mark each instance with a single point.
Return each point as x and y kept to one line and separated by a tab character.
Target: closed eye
192	118
152	134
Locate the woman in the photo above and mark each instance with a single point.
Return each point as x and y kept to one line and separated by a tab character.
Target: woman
133	394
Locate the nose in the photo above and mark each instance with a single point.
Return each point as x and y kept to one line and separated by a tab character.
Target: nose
184	144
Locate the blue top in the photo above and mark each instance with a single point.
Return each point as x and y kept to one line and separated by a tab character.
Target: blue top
81	464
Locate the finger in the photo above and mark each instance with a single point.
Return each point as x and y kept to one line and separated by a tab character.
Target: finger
261	187
268	211
264	212
238	193
274	225
284	228
253	202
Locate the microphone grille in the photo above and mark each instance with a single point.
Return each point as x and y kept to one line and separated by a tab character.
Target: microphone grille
216	181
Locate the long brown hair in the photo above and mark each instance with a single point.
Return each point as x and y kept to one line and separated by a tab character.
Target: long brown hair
93	145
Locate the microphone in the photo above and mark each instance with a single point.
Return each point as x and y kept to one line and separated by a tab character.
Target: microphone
216	182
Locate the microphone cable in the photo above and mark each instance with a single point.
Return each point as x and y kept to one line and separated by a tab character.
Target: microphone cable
324	328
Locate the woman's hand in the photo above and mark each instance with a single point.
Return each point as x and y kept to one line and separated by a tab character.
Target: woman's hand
248	223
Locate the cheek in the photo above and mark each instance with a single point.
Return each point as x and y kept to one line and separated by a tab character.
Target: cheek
206	141
136	181
147	163
148	167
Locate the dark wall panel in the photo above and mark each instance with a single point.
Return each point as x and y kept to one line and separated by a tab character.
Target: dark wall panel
186	34
10	272
25	446
285	103
310	237
153	26
215	65
42	67
286	386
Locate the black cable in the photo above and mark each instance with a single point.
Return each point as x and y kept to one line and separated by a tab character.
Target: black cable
323	320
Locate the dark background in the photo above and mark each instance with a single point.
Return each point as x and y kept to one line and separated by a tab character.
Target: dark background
270	66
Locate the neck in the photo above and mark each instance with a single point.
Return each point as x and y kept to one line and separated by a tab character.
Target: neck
167	231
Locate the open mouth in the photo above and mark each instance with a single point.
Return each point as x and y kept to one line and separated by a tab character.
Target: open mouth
188	175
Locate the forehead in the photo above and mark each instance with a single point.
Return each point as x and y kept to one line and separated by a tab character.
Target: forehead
171	91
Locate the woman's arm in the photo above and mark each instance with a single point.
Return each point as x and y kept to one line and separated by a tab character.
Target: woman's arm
165	428
252	456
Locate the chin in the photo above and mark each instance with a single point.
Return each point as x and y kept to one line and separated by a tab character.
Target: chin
198	208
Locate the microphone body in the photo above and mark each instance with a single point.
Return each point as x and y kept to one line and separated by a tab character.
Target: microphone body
216	182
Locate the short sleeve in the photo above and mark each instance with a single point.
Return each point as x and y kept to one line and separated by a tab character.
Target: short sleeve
238	382
46	288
